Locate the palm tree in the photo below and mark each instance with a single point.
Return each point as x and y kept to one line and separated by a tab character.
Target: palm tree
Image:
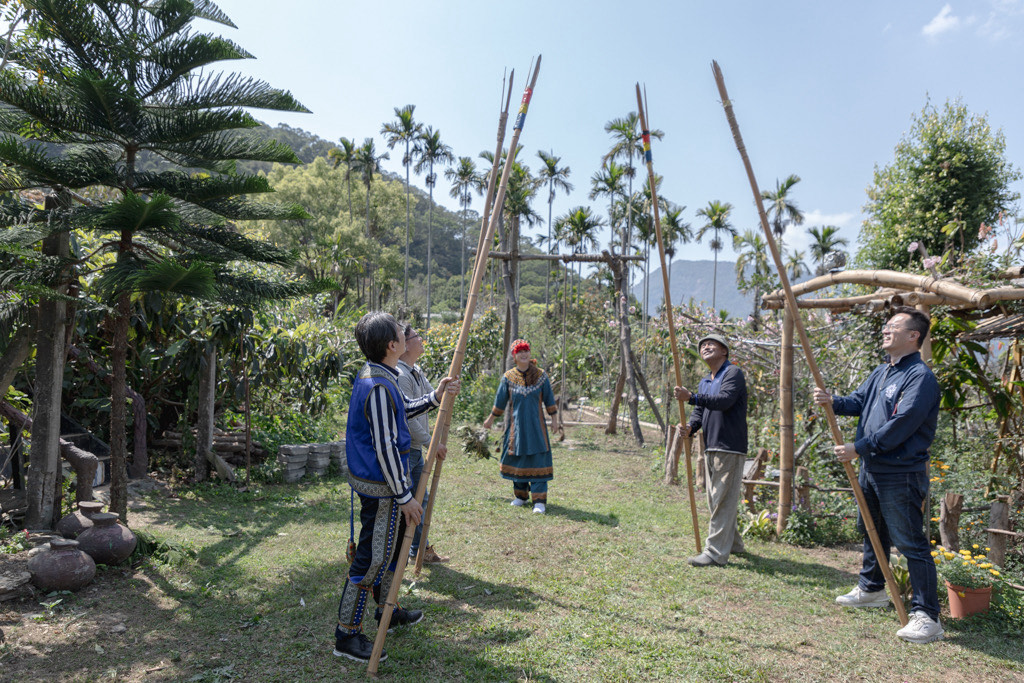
752	255
431	151
127	76
367	162
578	230
781	210
557	179
826	240
608	182
464	179
627	142
795	265
717	215
404	129
346	154
674	231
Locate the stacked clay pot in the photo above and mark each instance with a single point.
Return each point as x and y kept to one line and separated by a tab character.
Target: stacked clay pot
107	541
74	524
61	568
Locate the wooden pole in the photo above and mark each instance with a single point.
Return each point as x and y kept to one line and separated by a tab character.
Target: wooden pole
880	552
481	248
786	423
440	434
646	132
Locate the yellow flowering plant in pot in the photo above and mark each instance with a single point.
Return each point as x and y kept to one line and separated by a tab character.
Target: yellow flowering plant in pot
965	569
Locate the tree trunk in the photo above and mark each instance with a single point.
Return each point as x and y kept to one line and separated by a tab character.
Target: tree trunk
204	421
625	342
786	423
647	395
46	400
613	412
430	244
118	408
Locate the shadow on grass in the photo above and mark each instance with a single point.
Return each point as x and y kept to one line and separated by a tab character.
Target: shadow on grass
210	621
556	510
807	573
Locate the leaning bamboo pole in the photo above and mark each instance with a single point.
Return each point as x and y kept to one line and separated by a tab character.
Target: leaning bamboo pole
646	132
440	433
837	437
428	512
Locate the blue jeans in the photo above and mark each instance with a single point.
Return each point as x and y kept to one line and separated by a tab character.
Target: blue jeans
415	470
896	503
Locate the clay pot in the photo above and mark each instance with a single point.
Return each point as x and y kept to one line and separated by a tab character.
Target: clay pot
964	602
107	541
77	522
61	568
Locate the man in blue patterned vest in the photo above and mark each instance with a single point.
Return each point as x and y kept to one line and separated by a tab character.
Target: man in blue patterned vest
377	444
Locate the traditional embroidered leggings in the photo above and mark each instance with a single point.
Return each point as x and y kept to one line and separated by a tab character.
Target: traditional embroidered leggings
382	528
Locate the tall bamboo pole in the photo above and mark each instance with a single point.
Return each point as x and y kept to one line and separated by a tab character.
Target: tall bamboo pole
798	323
440	434
646	132
481	248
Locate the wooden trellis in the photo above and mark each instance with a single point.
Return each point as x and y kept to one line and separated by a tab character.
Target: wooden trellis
894	289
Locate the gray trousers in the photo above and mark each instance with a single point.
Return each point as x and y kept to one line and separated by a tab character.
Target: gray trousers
723	476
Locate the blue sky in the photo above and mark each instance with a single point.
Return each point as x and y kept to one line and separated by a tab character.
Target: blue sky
823	90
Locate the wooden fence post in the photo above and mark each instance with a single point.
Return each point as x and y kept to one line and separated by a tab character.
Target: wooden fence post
949	521
998	520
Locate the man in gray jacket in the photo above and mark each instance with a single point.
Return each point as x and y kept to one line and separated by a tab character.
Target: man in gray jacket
414	384
721	410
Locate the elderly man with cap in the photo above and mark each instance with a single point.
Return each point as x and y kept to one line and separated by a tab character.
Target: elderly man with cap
721	410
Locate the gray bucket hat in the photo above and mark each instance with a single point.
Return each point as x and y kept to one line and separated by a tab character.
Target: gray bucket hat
715	338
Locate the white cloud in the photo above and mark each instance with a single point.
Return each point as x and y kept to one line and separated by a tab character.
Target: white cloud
1003	20
943	22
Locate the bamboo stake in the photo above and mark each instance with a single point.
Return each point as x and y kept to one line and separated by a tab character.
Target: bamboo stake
440	434
798	323
642	108
428	513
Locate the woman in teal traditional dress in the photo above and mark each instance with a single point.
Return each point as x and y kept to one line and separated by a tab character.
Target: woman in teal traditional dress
525	447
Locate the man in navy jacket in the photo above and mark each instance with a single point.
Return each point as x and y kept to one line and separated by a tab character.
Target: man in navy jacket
898	406
721	410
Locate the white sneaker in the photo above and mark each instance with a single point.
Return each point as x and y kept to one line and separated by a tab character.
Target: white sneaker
518	502
540	508
921	629
859	598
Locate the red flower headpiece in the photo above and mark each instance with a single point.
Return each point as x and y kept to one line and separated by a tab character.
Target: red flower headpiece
519	345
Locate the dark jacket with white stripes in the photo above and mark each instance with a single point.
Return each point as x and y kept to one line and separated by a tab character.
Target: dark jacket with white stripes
722	410
377	434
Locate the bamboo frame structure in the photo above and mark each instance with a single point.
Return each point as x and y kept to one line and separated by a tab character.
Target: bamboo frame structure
685	442
881	554
440	433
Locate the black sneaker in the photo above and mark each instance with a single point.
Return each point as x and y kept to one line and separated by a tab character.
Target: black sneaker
401	617
356	647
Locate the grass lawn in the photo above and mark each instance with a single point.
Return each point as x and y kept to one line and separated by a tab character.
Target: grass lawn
597	589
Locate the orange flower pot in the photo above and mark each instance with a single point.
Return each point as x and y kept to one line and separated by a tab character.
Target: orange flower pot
967	601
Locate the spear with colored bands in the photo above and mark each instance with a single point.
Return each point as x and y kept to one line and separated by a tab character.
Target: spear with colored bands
641	105
444	417
880	553
482	250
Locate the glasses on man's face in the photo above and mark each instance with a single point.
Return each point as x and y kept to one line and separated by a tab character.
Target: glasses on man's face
891	328
415	336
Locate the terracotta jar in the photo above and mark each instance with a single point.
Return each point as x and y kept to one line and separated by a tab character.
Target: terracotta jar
61	568
77	522
107	541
